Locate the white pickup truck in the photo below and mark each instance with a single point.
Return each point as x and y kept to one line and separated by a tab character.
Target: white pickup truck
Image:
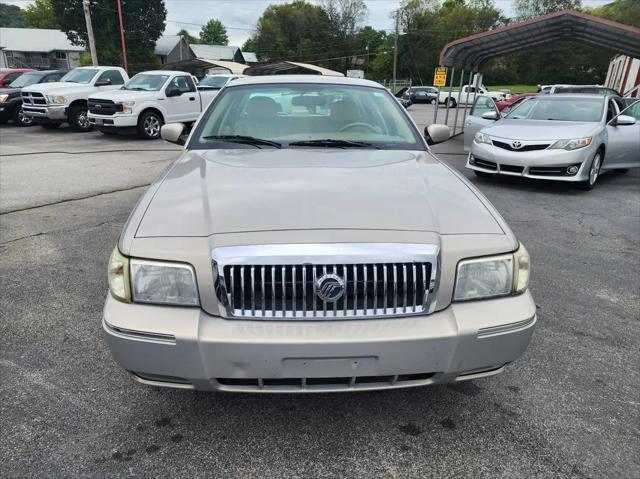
456	97
51	104
148	101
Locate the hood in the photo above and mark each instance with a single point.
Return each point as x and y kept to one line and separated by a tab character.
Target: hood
12	92
57	88
227	191
124	95
540	129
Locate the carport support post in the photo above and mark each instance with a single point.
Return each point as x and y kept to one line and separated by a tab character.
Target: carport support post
466	101
455	120
476	85
446	115
435	113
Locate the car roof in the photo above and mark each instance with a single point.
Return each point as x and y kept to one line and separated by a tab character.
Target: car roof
592	96
165	72
309	79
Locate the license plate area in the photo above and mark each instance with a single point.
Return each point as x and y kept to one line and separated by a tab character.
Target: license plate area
329	367
99	121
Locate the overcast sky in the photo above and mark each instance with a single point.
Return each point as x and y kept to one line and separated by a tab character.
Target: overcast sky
240	16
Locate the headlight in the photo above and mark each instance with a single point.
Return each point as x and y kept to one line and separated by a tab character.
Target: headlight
571	144
493	276
118	274
163	283
56	99
482	138
127	106
3	98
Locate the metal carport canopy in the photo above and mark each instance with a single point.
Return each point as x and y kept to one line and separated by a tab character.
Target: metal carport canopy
280	67
472	51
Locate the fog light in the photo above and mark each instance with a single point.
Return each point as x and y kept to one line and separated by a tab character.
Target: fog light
472	160
572	170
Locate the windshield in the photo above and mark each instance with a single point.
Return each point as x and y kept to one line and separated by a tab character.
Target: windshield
214	81
80	75
559	109
26	79
307	115
146	82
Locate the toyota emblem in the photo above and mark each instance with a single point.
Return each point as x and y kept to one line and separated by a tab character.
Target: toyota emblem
329	287
516	145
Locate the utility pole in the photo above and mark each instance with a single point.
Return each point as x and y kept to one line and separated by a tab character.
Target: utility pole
395	55
92	40
124	46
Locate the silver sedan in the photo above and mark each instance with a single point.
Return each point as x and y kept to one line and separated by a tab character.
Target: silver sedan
570	138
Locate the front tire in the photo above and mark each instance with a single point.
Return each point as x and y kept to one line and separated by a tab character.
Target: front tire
451	102
20	118
434	102
594	172
149	125
78	119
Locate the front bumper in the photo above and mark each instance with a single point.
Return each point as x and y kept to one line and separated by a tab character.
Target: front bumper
187	348
538	164
113	121
50	112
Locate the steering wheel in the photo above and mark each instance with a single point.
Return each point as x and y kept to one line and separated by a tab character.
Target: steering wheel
357	124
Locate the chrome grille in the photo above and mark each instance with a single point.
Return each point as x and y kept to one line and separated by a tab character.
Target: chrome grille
260	287
33	98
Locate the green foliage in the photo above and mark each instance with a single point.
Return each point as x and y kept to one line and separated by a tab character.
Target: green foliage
144	22
623	11
514	89
40	15
526	9
214	33
11	16
191	40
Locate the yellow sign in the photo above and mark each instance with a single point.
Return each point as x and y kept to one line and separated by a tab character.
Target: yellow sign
440	76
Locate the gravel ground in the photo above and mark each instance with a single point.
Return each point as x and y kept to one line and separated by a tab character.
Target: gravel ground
568	408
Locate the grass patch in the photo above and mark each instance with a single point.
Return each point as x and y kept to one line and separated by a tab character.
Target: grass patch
515	89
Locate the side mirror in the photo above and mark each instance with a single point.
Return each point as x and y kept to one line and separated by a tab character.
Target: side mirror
490	115
436	133
173	133
103	82
623	120
172	91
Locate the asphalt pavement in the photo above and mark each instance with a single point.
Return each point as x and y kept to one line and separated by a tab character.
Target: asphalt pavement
569	408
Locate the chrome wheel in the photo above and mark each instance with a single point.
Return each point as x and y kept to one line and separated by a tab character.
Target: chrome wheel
151	126
83	120
595	169
24	119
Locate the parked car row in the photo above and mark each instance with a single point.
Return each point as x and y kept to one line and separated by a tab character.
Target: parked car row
107	99
562	137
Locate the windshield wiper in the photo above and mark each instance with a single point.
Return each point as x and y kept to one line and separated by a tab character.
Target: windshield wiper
331	142
249	140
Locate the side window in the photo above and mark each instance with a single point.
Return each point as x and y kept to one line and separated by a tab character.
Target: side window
483	105
633	110
113	75
612	110
183	84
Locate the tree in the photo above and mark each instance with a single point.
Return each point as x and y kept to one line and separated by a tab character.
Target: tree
214	33
144	22
40	15
623	11
293	31
191	40
11	16
526	9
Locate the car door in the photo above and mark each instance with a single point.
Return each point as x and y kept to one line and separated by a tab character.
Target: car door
186	105
623	141
475	122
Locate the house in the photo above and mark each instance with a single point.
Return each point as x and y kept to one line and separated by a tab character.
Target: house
37	48
624	75
218	52
173	48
